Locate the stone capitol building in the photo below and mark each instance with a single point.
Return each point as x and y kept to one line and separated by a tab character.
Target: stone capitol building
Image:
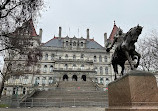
64	59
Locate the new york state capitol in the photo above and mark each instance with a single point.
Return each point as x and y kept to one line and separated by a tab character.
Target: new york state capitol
65	59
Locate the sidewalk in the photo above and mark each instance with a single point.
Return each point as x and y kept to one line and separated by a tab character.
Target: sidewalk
55	109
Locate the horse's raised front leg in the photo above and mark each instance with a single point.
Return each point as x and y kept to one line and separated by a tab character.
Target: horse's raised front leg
139	56
129	60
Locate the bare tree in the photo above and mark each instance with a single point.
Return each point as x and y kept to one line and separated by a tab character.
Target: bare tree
148	47
13	13
15	35
17	64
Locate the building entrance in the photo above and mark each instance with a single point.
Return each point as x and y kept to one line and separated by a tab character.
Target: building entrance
65	77
83	77
74	78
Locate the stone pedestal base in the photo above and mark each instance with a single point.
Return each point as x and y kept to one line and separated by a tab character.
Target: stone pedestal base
133	109
136	91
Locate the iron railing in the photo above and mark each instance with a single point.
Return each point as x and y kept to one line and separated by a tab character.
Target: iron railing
48	102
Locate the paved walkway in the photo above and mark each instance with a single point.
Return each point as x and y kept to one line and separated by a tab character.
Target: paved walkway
55	109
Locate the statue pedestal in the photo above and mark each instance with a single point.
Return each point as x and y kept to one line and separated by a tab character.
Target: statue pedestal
136	91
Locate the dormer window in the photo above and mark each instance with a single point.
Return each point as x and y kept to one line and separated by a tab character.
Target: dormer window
100	58
52	56
66	43
105	59
95	58
82	44
46	57
66	56
74	44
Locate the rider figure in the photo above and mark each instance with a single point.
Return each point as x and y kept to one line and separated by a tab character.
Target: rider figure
116	37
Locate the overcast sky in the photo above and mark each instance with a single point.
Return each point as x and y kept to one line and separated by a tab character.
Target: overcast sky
97	15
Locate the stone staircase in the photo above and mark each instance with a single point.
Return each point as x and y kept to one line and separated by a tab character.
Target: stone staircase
67	94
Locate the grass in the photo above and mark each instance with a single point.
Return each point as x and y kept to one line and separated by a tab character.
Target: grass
3	105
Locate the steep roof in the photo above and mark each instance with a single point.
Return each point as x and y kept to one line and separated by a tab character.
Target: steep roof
55	42
58	42
113	32
26	27
91	44
31	25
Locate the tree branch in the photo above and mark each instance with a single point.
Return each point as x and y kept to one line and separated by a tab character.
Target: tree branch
9	11
3	6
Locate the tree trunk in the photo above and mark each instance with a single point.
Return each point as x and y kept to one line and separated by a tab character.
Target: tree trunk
2	87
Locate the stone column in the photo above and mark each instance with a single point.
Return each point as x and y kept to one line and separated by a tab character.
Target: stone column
105	39
47	81
104	81
98	79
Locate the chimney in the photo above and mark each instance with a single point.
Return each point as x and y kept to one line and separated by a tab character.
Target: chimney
105	39
60	31
87	33
40	34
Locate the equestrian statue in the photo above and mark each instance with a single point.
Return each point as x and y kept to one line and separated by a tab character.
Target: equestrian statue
125	50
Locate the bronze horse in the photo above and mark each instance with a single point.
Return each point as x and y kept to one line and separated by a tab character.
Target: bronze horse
126	50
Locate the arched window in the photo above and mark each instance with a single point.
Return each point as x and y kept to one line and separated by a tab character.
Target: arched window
107	81
45	68
9	66
82	44
74	66
106	70
46	57
66	56
82	56
74	56
50	80
51	69
19	67
101	70
96	80
100	58
14	91
101	80
37	81
95	59
24	90
105	59
66	66
52	56
82	66
44	80
74	44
